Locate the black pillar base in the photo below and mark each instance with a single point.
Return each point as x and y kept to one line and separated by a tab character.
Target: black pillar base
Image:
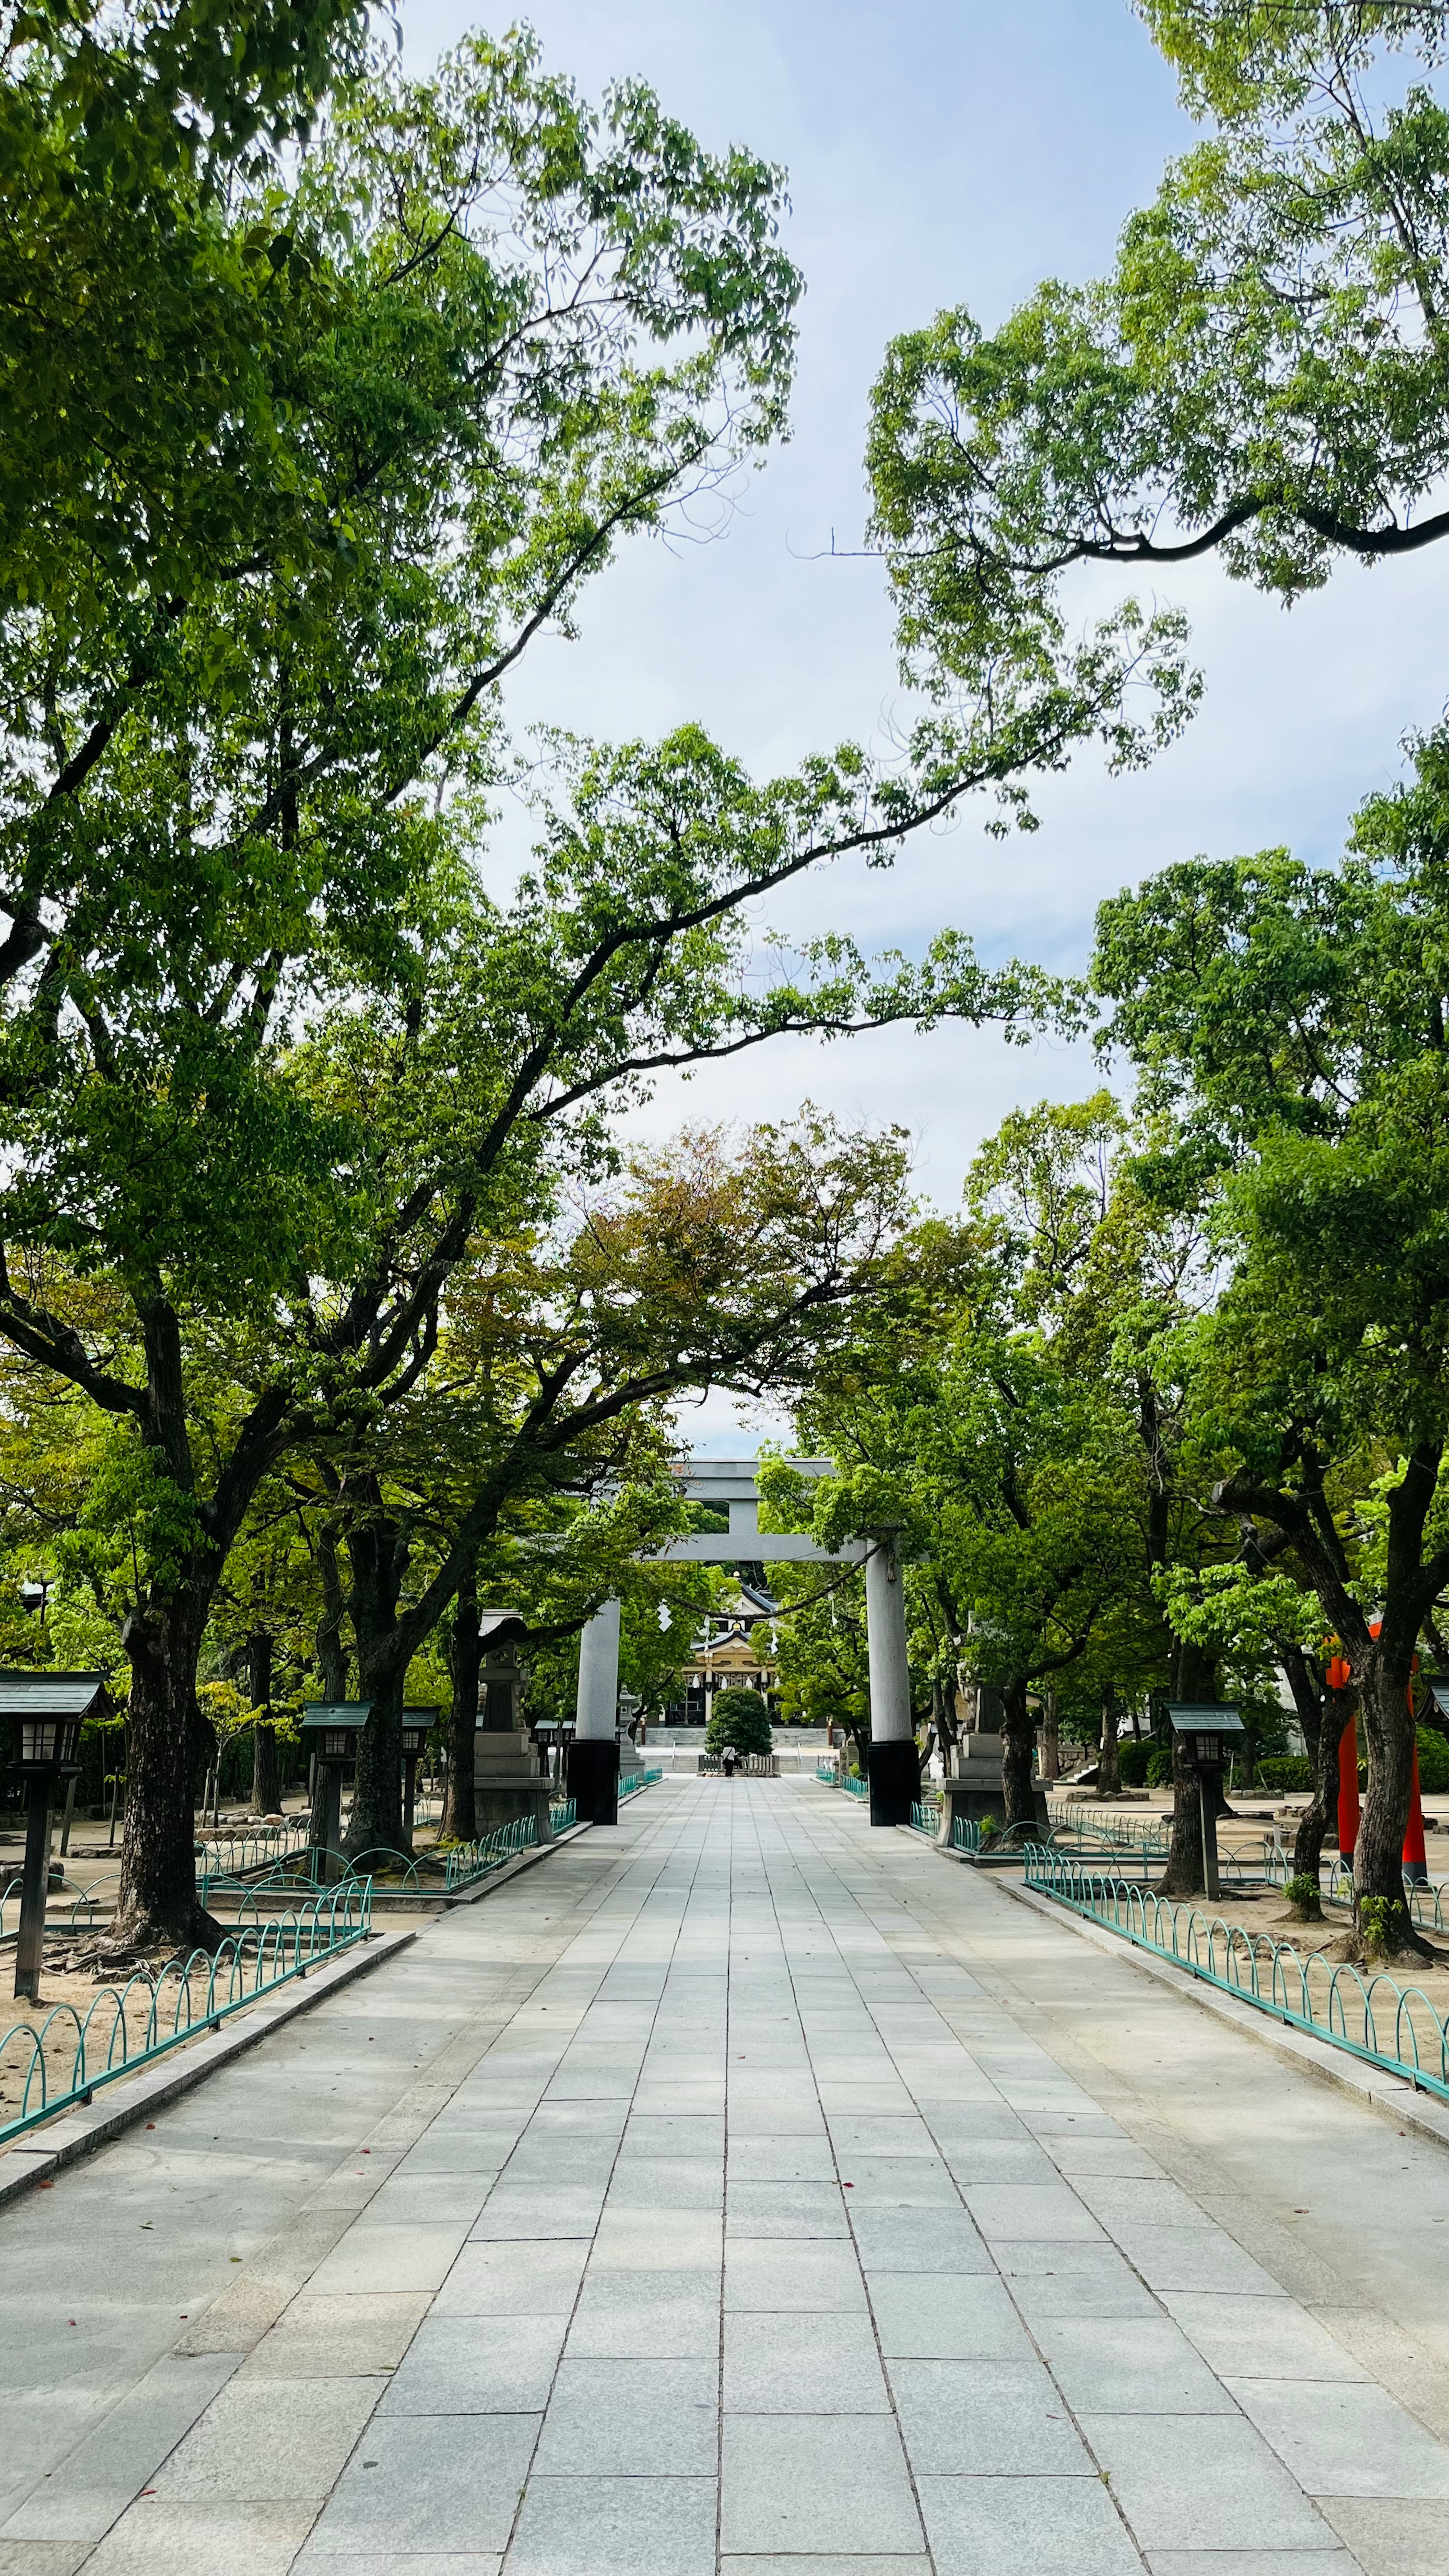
593	1780
894	1772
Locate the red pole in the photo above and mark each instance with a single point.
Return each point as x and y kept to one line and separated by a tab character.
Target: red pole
1348	1792
1416	1863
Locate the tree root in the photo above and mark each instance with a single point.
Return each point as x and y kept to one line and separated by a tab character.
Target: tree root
137	1940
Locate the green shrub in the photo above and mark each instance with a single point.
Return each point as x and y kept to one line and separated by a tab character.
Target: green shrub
1286	1771
1159	1769
1132	1760
1384	1925
1433	1761
739	1718
1303	1895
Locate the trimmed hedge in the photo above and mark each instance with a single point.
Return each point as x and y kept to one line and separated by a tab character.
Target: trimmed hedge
1433	1761
1286	1771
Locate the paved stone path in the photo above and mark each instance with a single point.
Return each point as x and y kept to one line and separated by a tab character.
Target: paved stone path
744	2192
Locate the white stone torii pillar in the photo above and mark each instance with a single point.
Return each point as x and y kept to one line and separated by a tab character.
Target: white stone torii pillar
895	1773
593	1756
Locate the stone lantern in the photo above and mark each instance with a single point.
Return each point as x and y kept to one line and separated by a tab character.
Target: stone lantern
509	1778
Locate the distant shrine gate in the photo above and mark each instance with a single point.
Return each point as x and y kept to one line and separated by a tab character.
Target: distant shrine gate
593	1756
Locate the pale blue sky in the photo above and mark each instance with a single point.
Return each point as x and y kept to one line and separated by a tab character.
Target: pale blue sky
939	154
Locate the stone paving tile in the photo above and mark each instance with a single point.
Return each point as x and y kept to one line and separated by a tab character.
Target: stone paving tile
182	2538
429	2482
534	2277
894	2240
1153	2370
663	2315
357	2333
1201	2482
1253	2562
792	2483
618	2526
471	2366
794	2209
1044	2213
730	2565
778	2156
382	2258
1053	2526
658	2418
1346	2440
955	2317
1260	2338
802	2365
460	2562
762	2272
270	2441
985	2419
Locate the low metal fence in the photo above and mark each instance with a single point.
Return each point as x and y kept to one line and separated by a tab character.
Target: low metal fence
630	1782
189	1994
1370	2015
260	1847
1148	1835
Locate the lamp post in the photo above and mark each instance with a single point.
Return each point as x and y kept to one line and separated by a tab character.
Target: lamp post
1208	1727
45	1711
334	1726
417	1726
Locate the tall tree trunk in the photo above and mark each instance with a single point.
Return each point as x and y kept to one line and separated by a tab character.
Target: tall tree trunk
1337	1710
1016	1751
331	1650
1051	1737
379	1558
460	1810
156	1905
1378	1867
1196	1679
1109	1765
266	1760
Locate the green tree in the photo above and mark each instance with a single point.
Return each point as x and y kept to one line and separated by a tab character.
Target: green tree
1264	374
1297	1015
739	1722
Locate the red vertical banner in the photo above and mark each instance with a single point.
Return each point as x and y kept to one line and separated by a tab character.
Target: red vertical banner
1416	1861
1348	1790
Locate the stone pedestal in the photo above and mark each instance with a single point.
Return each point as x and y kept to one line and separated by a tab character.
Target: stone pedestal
894	1772
593	1779
975	1789
507	1781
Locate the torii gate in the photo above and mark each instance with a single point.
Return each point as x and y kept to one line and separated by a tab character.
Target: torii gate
593	1757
